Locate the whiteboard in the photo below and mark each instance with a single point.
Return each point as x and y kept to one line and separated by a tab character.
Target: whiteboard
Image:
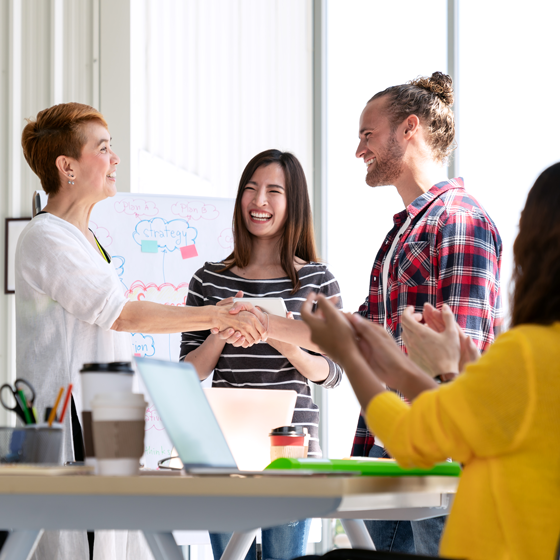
156	244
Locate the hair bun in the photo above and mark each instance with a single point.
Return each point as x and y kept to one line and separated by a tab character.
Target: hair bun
439	84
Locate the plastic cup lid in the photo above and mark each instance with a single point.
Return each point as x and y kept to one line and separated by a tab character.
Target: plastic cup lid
108	367
289	431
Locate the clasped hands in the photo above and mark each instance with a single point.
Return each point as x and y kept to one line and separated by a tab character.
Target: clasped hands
244	324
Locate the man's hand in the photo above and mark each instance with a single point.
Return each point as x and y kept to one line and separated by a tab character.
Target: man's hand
435	349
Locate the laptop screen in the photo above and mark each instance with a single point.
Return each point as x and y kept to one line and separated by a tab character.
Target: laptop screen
175	391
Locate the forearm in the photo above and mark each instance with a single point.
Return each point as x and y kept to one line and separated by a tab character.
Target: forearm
414	382
291	332
206	356
410	380
315	368
154	318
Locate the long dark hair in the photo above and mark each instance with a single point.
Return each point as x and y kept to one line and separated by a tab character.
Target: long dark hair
536	252
297	239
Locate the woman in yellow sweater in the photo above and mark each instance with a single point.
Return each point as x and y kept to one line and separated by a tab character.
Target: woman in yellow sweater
500	417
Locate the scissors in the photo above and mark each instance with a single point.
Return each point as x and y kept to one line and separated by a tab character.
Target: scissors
23	407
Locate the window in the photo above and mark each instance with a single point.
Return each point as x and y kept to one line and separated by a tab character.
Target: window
372	45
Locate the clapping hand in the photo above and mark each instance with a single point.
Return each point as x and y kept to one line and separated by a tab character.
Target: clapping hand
434	346
346	337
330	328
434	319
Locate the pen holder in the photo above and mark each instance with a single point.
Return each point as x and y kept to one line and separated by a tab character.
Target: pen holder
31	444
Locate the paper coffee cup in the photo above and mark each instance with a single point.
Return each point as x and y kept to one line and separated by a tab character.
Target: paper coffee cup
118	432
101	378
289	441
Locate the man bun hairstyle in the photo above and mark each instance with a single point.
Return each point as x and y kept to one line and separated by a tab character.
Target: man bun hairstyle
57	131
430	99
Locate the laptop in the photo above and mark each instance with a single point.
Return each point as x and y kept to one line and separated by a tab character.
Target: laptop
188	418
247	416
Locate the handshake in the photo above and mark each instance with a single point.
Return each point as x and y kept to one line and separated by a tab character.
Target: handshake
241	323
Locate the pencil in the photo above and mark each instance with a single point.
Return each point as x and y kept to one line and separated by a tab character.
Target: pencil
28	417
66	401
56	403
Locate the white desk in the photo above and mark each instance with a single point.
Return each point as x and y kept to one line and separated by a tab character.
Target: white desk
158	505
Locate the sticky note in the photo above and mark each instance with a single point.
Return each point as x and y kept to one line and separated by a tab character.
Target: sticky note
149	246
189	251
138	355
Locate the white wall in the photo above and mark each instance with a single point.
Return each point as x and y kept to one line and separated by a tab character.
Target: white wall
46	57
372	44
509	89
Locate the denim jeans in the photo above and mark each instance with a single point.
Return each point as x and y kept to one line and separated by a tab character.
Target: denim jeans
283	542
412	537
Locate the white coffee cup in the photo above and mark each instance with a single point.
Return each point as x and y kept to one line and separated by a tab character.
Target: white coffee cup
105	378
118	432
101	378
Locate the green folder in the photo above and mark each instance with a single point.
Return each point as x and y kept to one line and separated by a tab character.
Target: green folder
383	467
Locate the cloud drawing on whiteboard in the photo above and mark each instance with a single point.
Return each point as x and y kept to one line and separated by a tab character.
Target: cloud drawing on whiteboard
143	345
167	294
137	207
169	235
226	239
102	234
195	210
118	263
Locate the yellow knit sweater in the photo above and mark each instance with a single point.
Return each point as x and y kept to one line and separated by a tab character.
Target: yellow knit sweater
501	419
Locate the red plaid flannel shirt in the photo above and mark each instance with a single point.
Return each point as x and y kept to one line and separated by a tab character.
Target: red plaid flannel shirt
450	253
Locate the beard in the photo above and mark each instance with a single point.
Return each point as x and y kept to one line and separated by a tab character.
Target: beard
388	165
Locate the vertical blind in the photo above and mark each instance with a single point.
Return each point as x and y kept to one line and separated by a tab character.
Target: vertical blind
217	81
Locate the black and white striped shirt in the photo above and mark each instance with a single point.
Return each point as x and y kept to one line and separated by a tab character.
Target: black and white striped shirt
261	366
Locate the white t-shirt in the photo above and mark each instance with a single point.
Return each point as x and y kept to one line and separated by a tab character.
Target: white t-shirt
387	265
385	278
67	298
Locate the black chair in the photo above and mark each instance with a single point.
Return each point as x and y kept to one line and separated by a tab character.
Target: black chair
359	554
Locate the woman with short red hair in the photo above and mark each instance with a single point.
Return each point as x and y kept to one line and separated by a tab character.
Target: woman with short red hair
70	306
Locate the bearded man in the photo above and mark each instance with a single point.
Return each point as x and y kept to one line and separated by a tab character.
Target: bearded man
443	247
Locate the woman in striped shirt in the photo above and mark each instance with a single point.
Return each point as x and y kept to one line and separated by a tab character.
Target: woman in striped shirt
274	256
